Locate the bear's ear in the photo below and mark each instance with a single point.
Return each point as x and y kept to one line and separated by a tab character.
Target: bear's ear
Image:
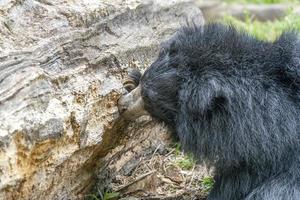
200	97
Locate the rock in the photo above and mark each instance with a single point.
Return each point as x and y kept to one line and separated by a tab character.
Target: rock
259	12
61	69
215	9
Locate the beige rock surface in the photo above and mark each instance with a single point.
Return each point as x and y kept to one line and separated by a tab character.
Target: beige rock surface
61	69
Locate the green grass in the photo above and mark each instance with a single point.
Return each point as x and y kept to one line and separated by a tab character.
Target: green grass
106	196
207	183
177	149
110	195
262	1
266	30
92	197
186	163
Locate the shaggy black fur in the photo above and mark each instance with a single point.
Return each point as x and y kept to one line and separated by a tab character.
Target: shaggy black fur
234	101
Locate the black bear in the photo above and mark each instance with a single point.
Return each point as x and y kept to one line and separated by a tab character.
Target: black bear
234	102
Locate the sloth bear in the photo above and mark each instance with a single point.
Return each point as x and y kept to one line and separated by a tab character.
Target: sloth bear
234	102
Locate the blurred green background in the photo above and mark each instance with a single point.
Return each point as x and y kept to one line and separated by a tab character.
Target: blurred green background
265	19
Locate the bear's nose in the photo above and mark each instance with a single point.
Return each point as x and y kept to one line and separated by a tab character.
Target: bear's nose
122	104
122	108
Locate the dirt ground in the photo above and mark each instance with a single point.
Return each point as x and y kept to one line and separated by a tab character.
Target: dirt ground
152	170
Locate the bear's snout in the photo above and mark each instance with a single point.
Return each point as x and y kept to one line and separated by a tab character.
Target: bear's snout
131	105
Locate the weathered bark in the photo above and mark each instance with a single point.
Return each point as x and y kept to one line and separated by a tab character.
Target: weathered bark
61	69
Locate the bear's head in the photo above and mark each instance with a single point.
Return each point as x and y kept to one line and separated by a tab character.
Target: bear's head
156	91
177	73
